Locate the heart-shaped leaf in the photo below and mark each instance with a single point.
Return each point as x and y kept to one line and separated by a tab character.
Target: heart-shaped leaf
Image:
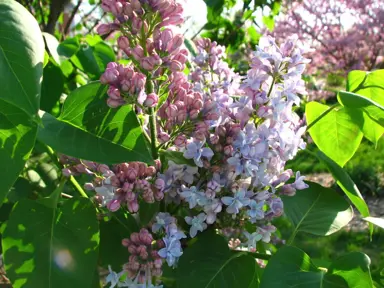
291	267
317	210
51	247
343	135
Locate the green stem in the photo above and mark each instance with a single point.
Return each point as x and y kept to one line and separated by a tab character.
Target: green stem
325	113
77	186
270	89
152	121
152	126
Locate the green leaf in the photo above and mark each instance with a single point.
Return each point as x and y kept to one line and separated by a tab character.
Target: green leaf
93	60
69	47
52	44
52	86
371	130
209	263
372	108
51	247
21	57
67	68
317	210
291	267
90	130
147	211
346	184
343	135
374	220
353	268
17	137
46	59
368	84
269	22
112	232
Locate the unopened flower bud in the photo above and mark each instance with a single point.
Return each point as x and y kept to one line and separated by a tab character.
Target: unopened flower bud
151	100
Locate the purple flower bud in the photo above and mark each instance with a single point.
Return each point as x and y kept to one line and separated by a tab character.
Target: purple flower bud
158	263
173	20
113	205
66	172
147	64
152	100
171	111
103	29
126	242
137	52
160	184
89	186
176	66
277	207
175	44
288	190
114	103
214	139
194	114
132	249
123	42
130	196
180	141
228	150
133	206
163	137
114	93
135	5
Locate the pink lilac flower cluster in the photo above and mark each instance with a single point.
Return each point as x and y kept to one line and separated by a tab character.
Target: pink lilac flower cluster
229	136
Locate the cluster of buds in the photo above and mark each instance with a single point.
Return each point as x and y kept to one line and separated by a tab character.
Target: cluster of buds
144	261
125	85
129	183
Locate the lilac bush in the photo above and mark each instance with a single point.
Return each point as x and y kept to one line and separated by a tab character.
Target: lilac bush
232	134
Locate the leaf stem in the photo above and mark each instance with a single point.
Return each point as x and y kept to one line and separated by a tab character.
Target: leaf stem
325	113
77	186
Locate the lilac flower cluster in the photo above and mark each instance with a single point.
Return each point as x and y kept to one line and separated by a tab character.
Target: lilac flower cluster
231	135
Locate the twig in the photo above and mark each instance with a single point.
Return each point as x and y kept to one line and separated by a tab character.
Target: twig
74	11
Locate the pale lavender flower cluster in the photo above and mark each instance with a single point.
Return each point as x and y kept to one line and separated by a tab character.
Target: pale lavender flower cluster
230	136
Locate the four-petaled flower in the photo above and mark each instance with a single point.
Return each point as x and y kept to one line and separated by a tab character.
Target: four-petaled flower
172	251
237	202
252	239
299	183
195	151
162	221
256	212
193	196
197	223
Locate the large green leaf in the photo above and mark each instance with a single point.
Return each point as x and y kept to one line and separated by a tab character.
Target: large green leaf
317	210
51	247
368	84
69	47
17	137
89	129
336	134
93	56
52	87
291	267
21	57
209	263
372	108
346	184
